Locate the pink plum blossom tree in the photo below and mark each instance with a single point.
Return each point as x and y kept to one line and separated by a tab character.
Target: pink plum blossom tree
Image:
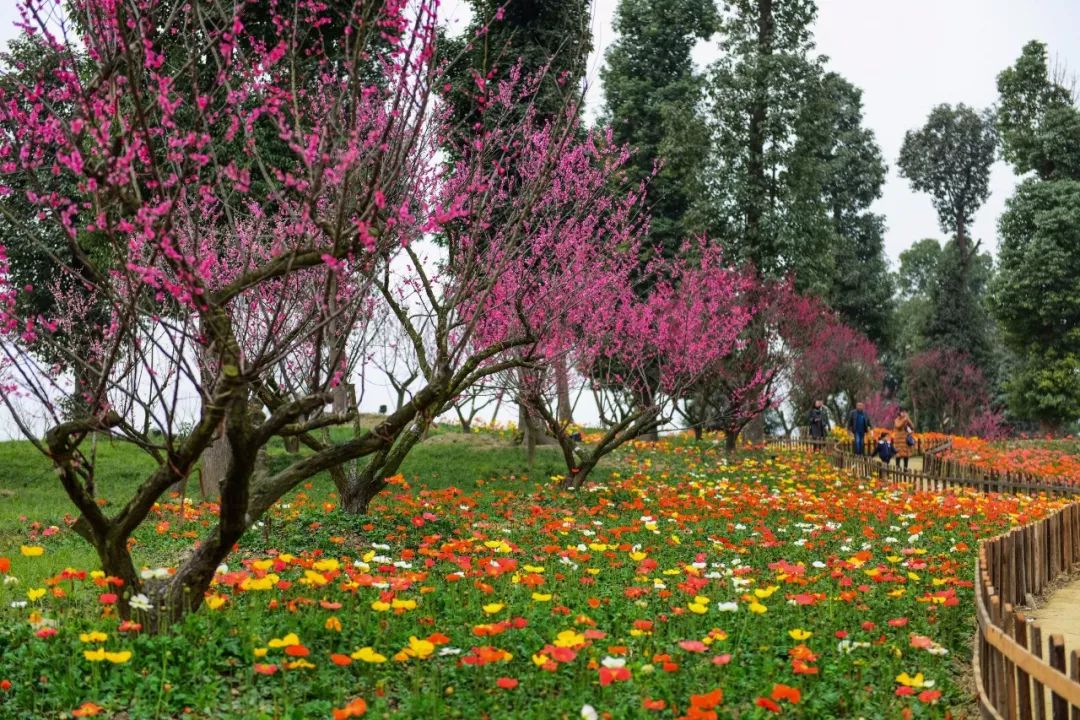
240	203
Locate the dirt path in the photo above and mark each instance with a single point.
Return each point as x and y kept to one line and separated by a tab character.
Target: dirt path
1061	614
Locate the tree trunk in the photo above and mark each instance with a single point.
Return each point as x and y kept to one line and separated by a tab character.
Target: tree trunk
755	167
358	492
562	388
215	458
697	431
575	478
215	463
755	429
731	441
466	423
532	429
646	400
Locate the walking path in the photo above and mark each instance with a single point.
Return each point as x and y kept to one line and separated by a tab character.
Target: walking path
1061	614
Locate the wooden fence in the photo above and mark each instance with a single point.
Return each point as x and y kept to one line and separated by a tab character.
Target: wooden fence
938	474
1017	676
1007	481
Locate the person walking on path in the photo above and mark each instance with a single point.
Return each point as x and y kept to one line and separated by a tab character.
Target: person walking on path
904	431
859	424
819	422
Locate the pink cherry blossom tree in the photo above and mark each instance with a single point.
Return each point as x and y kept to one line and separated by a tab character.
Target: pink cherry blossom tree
831	362
640	354
240	203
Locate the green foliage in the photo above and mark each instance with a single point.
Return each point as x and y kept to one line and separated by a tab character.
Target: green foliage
758	90
1046	388
957	318
846	173
1037	298
1036	295
652	96
918	266
950	158
548	40
794	171
926	273
1037	119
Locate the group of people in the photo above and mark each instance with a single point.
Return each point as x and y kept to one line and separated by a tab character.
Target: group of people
860	425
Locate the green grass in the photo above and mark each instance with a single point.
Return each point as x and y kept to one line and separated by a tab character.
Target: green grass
30	492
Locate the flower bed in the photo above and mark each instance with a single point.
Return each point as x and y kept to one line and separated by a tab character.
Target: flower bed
682	586
1053	460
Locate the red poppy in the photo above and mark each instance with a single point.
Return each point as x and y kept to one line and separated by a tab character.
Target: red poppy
87	709
355	708
266	669
610	675
764	702
707	701
340	660
507	683
785	692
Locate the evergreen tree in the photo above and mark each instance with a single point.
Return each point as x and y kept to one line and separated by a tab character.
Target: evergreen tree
847	172
652	96
950	158
757	91
546	41
1036	294
793	171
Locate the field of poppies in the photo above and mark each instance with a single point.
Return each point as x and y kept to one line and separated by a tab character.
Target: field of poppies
1056	460
678	584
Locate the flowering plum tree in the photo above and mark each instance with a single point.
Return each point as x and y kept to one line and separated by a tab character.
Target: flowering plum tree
948	392
832	361
642	353
744	383
239	204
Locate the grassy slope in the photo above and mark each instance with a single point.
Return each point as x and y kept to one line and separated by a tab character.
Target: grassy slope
29	492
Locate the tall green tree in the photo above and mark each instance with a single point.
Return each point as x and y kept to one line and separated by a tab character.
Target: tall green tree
844	173
652	97
546	41
1037	118
793	171
949	158
1037	299
758	89
1036	294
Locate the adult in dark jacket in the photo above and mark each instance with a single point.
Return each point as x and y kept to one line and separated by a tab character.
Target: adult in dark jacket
859	424
819	421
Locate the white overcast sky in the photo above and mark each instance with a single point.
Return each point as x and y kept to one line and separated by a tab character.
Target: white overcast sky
907	56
